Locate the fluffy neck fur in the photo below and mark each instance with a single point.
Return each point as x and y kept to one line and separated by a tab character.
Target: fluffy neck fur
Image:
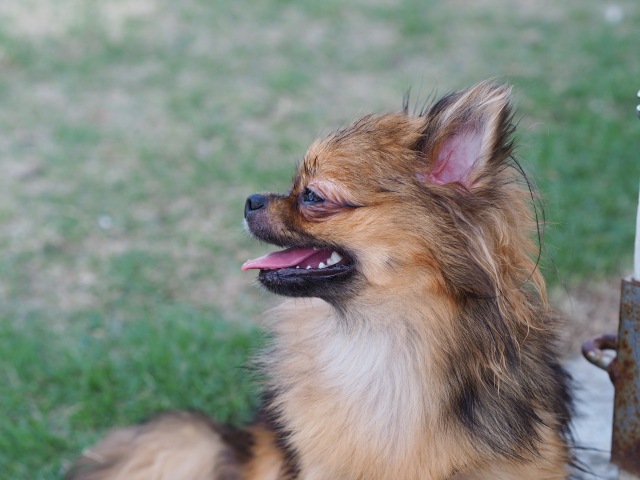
371	391
355	392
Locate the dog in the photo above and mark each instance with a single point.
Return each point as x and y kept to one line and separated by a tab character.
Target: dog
419	343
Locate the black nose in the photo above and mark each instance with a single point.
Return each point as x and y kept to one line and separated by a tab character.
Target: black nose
254	202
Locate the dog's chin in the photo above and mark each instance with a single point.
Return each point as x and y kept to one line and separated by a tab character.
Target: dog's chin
332	284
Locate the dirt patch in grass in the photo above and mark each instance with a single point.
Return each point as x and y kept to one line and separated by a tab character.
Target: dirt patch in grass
53	19
589	310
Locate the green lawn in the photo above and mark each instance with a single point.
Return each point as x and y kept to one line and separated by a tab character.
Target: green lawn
132	131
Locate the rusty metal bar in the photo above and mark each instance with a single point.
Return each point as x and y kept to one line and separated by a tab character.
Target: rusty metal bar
624	371
625	447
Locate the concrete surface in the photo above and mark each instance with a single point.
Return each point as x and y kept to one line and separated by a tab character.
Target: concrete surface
594	418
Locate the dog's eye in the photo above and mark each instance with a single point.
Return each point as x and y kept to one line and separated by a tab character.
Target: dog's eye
309	197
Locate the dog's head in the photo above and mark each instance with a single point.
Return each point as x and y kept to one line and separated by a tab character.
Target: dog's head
396	199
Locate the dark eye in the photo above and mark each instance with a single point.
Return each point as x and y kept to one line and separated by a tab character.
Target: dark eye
309	197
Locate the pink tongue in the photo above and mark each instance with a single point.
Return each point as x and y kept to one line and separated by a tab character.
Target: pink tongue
286	258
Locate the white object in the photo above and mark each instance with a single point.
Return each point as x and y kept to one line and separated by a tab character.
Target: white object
614	14
636	251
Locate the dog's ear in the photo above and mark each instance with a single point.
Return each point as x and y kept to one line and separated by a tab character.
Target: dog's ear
465	133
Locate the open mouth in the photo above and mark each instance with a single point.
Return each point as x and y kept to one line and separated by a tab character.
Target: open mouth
304	272
303	261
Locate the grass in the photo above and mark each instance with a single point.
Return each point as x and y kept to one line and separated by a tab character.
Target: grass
118	369
132	131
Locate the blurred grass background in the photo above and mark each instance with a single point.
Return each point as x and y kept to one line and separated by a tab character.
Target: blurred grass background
132	131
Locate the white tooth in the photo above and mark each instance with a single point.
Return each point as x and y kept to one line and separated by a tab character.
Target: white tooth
297	266
334	258
308	267
321	265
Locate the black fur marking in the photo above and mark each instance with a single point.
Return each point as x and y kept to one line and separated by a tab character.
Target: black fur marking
439	106
329	284
268	416
501	412
241	441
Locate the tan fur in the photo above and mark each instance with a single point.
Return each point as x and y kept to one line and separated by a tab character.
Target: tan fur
436	363
177	445
267	462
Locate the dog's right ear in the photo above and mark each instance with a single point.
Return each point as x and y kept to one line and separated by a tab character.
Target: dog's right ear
465	133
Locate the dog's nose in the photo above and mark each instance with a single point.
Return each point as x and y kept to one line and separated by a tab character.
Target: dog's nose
254	202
